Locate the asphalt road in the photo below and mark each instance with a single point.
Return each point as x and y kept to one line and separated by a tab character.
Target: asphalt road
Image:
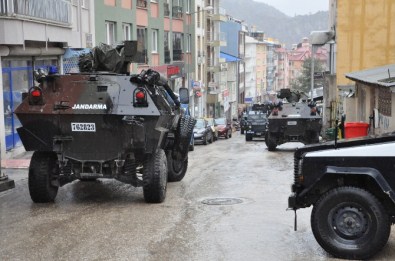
231	205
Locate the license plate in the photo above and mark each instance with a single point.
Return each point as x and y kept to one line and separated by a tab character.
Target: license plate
291	122
258	133
80	126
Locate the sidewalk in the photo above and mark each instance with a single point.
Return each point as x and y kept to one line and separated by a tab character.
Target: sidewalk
20	161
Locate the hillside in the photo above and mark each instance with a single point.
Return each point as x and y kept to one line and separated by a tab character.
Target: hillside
275	24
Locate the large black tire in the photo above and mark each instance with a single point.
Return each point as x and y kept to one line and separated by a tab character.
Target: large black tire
43	172
350	223
155	177
312	137
176	168
270	141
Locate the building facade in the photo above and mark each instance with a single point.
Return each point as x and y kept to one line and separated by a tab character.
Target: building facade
35	35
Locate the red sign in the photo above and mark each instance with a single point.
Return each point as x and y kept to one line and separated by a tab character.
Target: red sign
172	70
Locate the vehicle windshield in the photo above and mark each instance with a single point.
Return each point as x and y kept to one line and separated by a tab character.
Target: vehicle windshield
210	122
220	121
199	123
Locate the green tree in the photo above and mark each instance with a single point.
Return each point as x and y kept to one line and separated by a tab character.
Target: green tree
303	82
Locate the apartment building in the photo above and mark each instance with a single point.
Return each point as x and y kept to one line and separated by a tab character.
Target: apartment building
34	35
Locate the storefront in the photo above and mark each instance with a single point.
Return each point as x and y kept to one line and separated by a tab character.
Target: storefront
16	78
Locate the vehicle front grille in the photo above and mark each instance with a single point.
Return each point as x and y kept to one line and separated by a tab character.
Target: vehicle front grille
296	170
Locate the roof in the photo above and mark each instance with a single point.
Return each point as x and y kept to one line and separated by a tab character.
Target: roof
382	76
229	58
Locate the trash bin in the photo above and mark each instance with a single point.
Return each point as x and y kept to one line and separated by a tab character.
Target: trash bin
330	133
356	129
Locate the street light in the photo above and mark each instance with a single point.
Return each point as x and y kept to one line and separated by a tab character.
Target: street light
206	8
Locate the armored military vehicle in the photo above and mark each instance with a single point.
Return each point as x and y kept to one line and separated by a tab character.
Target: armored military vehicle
105	124
293	121
351	186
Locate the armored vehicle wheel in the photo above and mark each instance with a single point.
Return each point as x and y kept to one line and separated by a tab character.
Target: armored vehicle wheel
43	170
155	177
270	141
312	137
350	223
176	168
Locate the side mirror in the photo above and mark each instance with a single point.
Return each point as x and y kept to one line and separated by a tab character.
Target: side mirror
184	96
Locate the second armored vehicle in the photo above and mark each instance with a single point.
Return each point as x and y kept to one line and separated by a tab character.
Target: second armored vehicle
294	121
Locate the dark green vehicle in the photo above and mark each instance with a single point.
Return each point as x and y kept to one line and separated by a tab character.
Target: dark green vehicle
105	124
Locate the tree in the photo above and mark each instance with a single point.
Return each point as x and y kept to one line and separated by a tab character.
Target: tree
303	82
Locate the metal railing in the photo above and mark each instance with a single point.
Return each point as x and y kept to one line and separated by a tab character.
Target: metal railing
167	56
58	11
177	12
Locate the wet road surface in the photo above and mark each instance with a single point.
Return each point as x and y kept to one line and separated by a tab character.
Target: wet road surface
231	205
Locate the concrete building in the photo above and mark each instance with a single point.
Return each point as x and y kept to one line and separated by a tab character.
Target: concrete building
216	80
364	41
33	35
250	70
282	68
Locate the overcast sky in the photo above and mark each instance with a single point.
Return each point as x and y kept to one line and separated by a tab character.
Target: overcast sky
298	7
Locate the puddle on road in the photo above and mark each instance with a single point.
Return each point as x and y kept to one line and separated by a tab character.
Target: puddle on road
222	201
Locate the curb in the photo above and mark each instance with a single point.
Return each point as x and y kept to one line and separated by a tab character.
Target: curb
15	163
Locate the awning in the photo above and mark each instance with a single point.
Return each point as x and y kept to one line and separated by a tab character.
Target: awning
381	76
229	58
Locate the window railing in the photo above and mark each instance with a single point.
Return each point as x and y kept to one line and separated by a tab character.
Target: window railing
177	55
142	3
57	11
166	9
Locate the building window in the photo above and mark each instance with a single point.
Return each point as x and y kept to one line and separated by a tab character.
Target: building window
177	46
142	44
166	38
155	40
166	8
177	8
110	32
188	44
126	32
385	101
142	3
188	6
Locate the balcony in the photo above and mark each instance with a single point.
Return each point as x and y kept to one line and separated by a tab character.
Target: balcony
177	12
216	39
201	57
53	11
219	14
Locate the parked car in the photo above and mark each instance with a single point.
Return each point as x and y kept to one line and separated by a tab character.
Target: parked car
224	127
214	129
202	132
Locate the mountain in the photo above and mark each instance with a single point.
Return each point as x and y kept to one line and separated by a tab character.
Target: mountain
275	24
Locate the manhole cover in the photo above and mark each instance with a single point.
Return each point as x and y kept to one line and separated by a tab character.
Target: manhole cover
222	201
